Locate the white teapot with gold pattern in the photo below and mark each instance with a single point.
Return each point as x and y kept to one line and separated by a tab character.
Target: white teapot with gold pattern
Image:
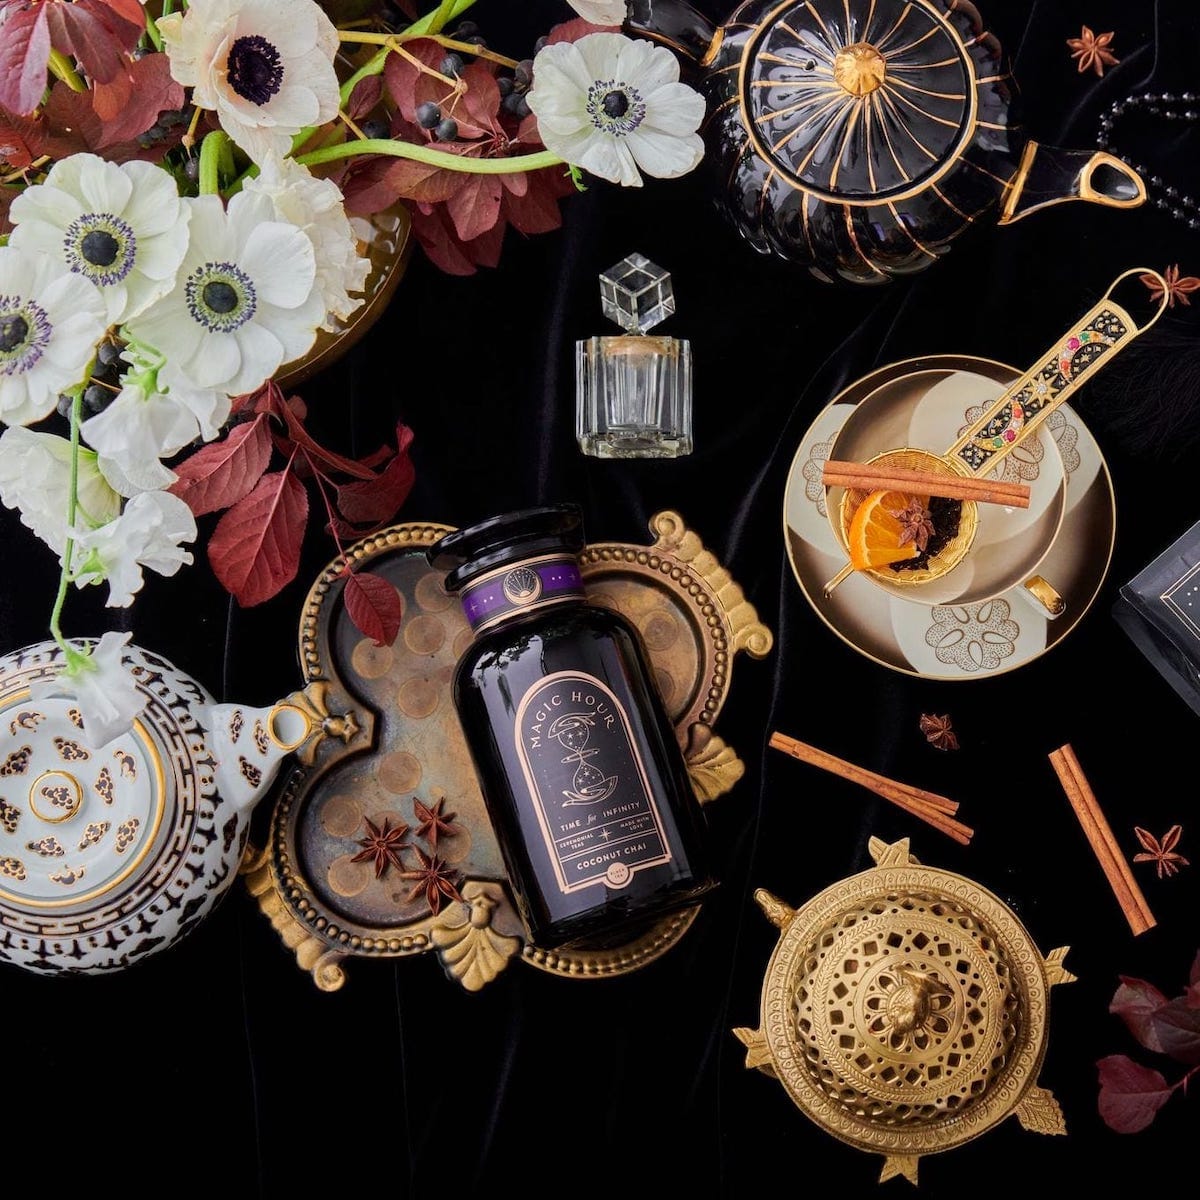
110	853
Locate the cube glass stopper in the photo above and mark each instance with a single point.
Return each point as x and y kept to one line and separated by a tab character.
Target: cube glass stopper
636	294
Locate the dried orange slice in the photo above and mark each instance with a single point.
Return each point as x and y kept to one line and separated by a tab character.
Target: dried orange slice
874	536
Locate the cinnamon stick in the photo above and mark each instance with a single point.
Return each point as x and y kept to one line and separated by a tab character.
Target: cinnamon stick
881	477
1100	835
936	811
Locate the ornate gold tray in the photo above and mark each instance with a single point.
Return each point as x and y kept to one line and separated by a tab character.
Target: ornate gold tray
409	765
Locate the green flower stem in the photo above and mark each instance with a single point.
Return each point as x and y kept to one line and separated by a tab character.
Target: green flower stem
213	150
71	655
435	158
152	32
436	21
60	64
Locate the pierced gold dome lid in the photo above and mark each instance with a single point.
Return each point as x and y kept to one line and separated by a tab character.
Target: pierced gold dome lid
905	1010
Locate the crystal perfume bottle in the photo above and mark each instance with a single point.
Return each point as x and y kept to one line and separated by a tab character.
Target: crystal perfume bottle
582	774
633	392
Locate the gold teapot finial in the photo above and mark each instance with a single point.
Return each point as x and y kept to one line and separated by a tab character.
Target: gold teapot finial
859	69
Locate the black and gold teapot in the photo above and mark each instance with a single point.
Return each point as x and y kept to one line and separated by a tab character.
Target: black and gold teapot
860	137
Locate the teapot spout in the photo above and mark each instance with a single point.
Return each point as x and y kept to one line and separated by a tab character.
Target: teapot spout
249	744
1050	175
676	25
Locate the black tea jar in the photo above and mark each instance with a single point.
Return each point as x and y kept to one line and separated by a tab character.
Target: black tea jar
583	778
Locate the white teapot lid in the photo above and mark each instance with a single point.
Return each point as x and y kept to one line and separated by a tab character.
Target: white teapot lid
75	821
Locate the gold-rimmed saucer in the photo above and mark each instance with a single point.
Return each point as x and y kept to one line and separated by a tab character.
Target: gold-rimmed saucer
950	640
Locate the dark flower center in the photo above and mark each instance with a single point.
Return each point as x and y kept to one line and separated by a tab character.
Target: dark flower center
220	297
13	331
616	104
100	248
254	69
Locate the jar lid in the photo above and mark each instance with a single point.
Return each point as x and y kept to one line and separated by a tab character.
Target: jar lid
510	537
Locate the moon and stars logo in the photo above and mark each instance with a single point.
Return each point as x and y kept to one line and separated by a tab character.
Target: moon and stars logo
522	586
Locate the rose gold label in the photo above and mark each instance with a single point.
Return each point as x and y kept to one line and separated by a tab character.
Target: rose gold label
587	782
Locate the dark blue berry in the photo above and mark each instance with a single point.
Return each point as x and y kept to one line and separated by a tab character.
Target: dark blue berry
64	407
108	353
428	114
376	129
452	65
447	130
523	73
515	104
505	84
541	44
463	31
191	169
96	398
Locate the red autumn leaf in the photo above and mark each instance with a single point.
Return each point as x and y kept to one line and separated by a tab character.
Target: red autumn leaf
376	501
255	548
1136	1002
1177	1027
24	54
297	437
537	210
220	474
131	10
74	125
475	207
572	31
97	35
374	606
435	232
149	92
1130	1094
366	95
21	139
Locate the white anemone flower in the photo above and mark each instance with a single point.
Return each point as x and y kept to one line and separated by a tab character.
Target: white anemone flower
103	688
35	479
315	206
264	66
612	104
600	12
50	324
149	533
124	228
244	302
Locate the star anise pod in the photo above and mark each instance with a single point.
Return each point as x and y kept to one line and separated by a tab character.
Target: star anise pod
1178	288
1092	50
433	822
1161	853
382	845
938	731
433	878
916	524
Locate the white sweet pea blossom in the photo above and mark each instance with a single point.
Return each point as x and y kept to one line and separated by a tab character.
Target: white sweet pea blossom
600	12
612	104
264	66
124	228
148	422
35	479
315	207
50	324
243	304
149	533
102	687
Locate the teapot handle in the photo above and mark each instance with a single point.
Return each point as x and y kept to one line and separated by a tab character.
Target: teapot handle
1051	175
1087	347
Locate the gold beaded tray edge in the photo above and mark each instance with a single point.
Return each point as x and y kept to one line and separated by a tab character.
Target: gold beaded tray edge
694	619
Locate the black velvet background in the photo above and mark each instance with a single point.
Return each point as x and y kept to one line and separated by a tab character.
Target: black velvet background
220	1056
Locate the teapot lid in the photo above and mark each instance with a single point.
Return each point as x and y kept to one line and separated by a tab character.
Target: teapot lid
75	821
905	1008
861	101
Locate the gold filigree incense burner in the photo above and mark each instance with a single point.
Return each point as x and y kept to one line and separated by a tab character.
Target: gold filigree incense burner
905	1010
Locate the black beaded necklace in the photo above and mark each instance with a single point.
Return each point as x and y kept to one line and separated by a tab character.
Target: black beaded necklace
1156	104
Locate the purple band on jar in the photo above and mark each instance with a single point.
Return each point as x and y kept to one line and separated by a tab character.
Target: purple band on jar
520	588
